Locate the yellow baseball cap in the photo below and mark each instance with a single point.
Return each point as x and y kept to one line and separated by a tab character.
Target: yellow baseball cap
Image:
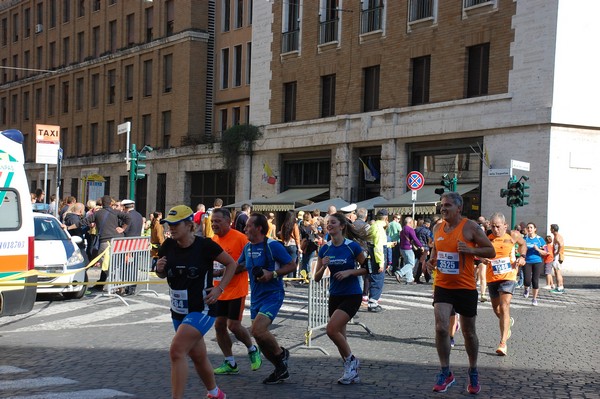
178	214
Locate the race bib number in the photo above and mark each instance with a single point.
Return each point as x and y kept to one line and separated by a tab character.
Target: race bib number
179	301
447	262
501	265
217	271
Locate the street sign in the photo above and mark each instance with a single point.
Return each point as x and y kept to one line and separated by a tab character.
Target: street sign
498	172
415	180
519	165
47	140
124	128
414	195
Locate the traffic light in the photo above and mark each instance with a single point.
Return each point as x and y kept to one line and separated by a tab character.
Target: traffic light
515	192
512	198
137	167
448	183
522	191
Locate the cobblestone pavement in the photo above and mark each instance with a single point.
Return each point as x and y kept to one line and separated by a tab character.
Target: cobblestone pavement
101	348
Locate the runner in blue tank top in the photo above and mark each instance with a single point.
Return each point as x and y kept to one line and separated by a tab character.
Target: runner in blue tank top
340	256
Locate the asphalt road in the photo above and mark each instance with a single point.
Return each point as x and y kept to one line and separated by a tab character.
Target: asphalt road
100	348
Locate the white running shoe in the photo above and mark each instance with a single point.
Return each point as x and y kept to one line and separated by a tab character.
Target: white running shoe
350	372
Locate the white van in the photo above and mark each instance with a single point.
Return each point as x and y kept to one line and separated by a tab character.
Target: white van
16	228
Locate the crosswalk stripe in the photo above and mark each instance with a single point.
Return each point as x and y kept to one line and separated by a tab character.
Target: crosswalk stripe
87	394
10	370
34	383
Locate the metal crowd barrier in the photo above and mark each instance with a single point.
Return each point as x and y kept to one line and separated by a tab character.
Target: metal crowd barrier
130	264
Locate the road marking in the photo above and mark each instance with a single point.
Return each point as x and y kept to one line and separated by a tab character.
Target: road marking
87	394
34	383
10	370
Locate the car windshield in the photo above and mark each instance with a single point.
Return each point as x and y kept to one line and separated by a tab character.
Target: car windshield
48	228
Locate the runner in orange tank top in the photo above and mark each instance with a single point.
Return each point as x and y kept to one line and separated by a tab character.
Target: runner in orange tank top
502	274
231	304
456	241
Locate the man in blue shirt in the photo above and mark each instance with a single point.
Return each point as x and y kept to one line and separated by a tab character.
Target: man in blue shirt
267	262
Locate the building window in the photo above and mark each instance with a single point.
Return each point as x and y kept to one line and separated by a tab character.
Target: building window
161	192
166	129
66	10
75	186
96	41
130	29
239	13
478	70
80	46
168	73
147	78
14	108
307	172
237	66
128	82
39	56
123	185
473	3
225	15
250	12
79	94
38	103
327	96
3	119
95	146
96	5
51	55
15	63
15	27
170	28
64	136
78	140
371	16
236	115
26	65
420	80
371	88
329	21
149	23
112	36
4	70
247	114
27	21
421	9
52	12
289	101
146	128
112	83
290	40
65	97
4	31
51	95
224	68
95	89
248	62
81	8
26	106
66	52
110	134
223	120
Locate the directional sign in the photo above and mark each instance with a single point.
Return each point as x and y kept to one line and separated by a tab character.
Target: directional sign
415	180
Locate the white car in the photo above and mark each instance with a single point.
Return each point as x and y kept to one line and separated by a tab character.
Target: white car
57	252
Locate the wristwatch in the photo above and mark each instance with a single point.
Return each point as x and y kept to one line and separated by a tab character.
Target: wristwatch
275	275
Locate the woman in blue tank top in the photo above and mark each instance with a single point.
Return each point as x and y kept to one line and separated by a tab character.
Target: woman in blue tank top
340	256
534	264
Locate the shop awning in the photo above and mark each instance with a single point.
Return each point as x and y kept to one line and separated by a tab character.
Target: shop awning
370	203
425	204
324	205
238	205
286	200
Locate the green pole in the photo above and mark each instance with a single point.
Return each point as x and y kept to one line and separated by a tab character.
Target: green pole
513	216
132	168
454	182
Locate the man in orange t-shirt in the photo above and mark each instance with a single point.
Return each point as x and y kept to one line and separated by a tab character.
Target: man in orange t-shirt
457	241
231	303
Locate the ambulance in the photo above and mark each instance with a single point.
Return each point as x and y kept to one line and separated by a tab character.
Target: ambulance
17	282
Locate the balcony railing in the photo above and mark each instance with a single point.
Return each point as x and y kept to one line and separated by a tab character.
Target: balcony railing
371	20
421	9
328	31
290	41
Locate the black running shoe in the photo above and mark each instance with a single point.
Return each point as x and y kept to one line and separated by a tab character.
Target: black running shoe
277	377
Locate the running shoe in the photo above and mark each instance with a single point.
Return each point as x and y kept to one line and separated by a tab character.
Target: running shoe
350	375
512	322
548	287
277	377
473	387
534	302
226	369
255	360
482	298
558	291
219	395
526	293
502	349
285	356
452	342
443	382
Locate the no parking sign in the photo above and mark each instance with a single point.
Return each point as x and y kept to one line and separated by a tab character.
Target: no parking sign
415	180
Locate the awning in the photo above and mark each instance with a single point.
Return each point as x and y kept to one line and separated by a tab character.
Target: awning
426	202
286	200
370	203
324	205
238	205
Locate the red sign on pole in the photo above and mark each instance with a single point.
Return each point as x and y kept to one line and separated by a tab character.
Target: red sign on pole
415	180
